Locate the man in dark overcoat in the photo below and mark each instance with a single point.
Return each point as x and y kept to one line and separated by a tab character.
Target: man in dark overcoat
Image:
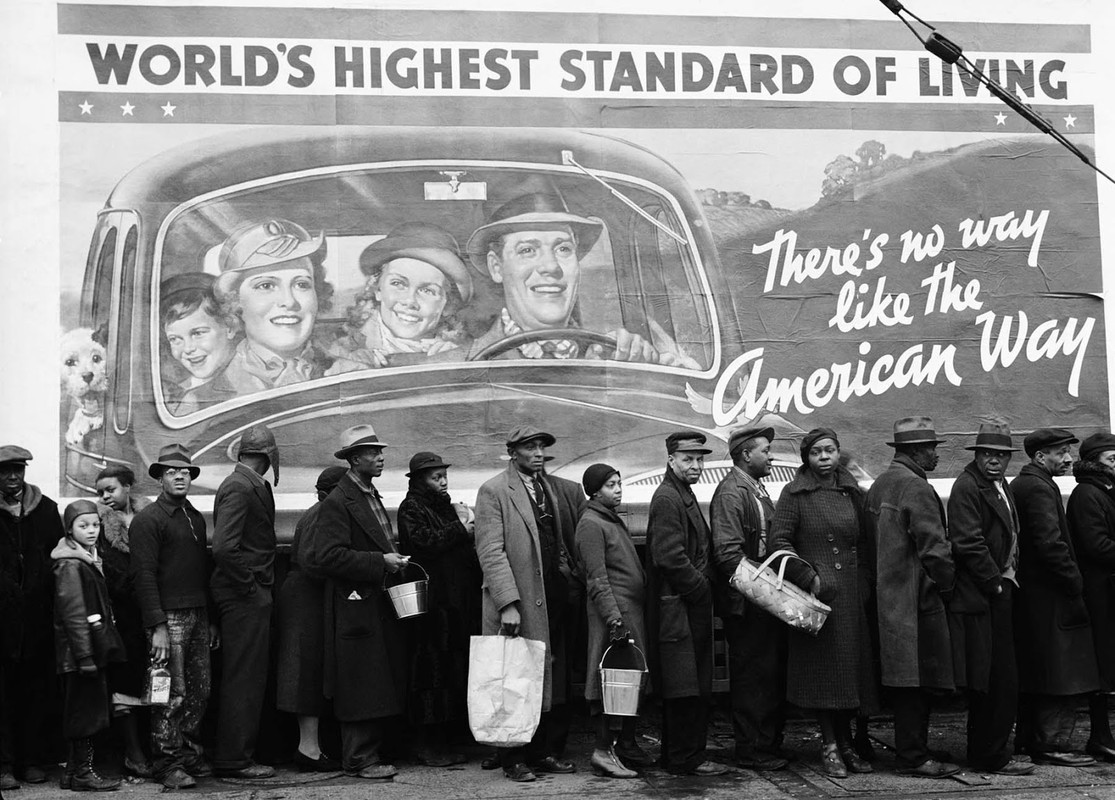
1053	635
353	549
679	607
520	542
915	577
983	529
740	513
243	576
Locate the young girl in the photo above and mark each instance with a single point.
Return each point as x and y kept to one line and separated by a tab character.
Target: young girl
86	642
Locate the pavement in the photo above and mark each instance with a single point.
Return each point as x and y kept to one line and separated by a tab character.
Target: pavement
801	780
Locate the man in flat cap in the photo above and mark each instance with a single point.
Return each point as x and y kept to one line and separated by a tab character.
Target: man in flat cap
679	607
740	514
353	549
1053	637
29	529
244	552
170	571
520	541
915	577
983	529
532	246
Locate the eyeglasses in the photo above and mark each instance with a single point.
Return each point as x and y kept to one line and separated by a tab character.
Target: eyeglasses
174	472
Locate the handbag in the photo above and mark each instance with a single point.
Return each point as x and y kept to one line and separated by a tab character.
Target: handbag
773	593
506	680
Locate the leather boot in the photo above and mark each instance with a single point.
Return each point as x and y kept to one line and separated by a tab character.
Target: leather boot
85	778
71	764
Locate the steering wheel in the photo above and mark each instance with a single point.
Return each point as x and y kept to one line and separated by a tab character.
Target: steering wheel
579	335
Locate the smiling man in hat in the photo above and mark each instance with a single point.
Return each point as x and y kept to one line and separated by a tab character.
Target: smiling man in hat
1053	637
983	529
244	552
170	569
679	607
915	579
532	246
520	541
353	549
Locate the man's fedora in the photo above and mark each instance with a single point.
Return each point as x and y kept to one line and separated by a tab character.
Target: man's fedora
259	440
914	430
356	437
531	212
173	456
993	436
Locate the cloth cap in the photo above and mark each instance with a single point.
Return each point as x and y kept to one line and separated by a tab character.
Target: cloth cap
914	430
259	439
531	212
423	461
329	478
993	436
740	437
14	454
524	433
76	509
356	437
814	436
1096	444
424	242
267	244
596	476
173	455
1047	437
686	442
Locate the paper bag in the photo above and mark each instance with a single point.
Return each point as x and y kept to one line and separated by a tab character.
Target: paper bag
506	677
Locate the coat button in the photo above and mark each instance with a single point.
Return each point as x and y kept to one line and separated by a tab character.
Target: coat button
836	566
538	602
835	550
831	538
538	572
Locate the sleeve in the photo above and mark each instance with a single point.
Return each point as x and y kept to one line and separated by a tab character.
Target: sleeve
69	603
666	541
146	542
1041	525
969	544
1088	523
927	529
490	550
733	522
783	536
330	553
591	556
427	534
230	514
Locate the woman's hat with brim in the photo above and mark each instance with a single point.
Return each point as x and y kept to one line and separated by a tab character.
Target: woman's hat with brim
173	456
993	436
914	430
423	242
538	211
77	509
420	462
267	244
259	440
352	439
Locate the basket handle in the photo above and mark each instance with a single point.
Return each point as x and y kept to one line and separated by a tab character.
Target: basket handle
782	566
642	655
407	566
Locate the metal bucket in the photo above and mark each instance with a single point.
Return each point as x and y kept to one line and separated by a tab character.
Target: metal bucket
621	689
409	599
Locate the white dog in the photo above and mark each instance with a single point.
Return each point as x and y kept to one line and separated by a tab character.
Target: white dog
85	380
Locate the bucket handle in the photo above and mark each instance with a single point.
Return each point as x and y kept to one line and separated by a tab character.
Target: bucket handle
407	566
630	644
787	554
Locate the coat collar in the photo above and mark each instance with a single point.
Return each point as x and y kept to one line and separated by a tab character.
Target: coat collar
806	481
991	494
1037	472
607	513
688	499
356	501
521	500
902	460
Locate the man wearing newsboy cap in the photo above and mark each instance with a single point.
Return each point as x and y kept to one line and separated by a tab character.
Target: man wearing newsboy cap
983	530
1056	657
915	577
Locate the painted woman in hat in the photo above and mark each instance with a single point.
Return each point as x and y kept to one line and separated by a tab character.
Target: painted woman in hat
198	339
437	534
416	283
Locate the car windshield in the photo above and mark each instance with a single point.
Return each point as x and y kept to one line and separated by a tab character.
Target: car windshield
354	271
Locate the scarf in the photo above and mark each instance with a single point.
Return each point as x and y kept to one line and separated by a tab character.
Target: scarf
547	348
274	371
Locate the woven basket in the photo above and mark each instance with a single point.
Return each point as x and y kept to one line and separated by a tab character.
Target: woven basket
769	590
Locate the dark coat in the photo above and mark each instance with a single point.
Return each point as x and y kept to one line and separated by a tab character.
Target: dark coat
80	593
914	578
243	534
825	526
301	613
365	647
740	526
616	584
114	546
26	580
1091	516
1053	635
679	592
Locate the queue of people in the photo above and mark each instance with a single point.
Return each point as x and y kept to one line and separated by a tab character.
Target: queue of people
1007	597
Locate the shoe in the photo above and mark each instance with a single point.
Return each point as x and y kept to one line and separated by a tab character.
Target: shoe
863	747
439	758
854	762
831	762
930	769
605	763
632	755
198	768
140	769
1062	759
708	769
520	773
85	777
490	762
554	766
34	774
1013	768
322	763
178	779
251	772
1101	752
8	783
761	762
944	756
378	772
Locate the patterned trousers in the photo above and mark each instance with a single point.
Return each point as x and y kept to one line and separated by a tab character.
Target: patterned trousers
175	727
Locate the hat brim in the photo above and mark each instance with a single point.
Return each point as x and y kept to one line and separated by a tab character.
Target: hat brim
917	441
155	470
426	468
585	231
998	447
343	453
702	450
443	260
259	260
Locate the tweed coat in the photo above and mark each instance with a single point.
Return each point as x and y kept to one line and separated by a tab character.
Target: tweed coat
243	534
616	584
679	592
365	667
825	526
511	558
1091	516
1053	635
914	578
738	531
301	613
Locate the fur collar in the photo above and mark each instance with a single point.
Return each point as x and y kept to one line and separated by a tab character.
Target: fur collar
113	528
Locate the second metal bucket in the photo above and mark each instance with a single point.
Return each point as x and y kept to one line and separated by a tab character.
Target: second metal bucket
409	599
621	689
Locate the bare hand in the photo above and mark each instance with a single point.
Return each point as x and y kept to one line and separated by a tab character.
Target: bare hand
815	585
214	636
395	563
510	620
633	347
160	644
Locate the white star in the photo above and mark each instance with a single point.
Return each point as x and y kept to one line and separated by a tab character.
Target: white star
1070	121
1000	118
127	108
86	108
168	109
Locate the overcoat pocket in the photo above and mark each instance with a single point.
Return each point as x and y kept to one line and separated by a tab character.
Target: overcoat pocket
673	621
1073	613
354	609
